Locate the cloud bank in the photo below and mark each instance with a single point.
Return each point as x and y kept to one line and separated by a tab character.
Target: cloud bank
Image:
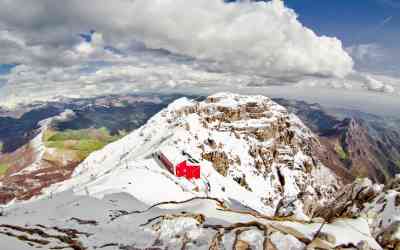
153	44
256	38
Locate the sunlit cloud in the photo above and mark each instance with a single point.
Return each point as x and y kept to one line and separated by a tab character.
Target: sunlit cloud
88	48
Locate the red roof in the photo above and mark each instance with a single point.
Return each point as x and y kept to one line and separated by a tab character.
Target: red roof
189	171
179	163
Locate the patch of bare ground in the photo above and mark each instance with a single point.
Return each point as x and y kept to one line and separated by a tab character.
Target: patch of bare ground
39	236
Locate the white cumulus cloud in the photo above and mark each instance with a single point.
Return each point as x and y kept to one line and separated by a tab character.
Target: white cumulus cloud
255	38
162	44
247	37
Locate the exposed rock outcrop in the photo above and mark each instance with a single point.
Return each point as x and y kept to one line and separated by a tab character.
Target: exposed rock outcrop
262	136
379	204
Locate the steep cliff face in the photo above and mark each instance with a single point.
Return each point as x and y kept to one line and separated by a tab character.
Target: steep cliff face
355	144
362	152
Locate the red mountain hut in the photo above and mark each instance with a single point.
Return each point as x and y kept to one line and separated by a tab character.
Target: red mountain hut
180	164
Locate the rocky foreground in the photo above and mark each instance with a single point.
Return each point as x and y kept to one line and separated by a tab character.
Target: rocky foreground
365	216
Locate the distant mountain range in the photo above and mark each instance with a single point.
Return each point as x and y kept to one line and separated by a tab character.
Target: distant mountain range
127	112
355	143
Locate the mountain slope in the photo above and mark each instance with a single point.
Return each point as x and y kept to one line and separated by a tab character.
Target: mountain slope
122	112
356	144
38	164
41	144
253	153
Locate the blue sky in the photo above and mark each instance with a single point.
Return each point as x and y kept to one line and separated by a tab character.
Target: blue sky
352	21
5	68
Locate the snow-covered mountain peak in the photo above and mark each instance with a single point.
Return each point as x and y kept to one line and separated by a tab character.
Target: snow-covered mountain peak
260	187
252	153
